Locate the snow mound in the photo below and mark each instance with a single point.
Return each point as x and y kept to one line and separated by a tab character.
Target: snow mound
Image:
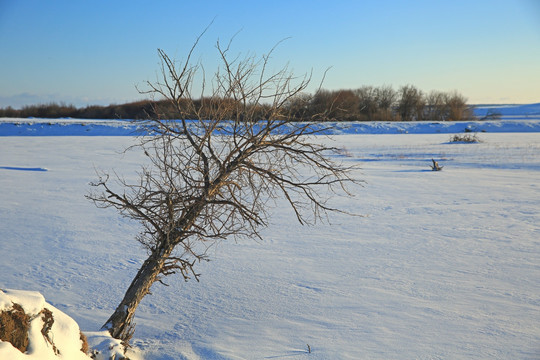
52	334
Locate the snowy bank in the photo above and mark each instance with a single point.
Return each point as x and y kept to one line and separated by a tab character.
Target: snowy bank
45	333
77	127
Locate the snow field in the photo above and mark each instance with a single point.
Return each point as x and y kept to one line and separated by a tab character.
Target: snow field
442	265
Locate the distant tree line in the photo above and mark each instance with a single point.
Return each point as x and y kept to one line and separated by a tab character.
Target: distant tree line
367	103
134	110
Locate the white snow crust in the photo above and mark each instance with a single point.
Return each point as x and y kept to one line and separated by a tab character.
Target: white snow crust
64	332
442	265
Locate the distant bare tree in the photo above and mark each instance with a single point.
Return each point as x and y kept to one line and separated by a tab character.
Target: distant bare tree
338	105
213	177
435	106
386	97
299	107
457	107
367	98
444	106
411	103
322	104
345	105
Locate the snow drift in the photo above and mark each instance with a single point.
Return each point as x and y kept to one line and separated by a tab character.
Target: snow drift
47	333
78	127
61	339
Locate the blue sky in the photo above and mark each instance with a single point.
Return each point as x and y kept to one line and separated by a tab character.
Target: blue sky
96	52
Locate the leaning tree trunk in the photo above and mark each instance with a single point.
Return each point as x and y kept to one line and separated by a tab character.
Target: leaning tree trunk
120	324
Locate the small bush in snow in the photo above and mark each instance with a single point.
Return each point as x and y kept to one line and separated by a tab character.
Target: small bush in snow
465	138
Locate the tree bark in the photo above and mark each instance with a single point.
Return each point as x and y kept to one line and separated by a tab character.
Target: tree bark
120	324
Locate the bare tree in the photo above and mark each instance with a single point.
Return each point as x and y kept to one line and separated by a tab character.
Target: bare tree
411	103
213	177
386	97
457	107
367	101
446	106
436	108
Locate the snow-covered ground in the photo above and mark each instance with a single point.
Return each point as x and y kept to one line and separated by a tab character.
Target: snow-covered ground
443	265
